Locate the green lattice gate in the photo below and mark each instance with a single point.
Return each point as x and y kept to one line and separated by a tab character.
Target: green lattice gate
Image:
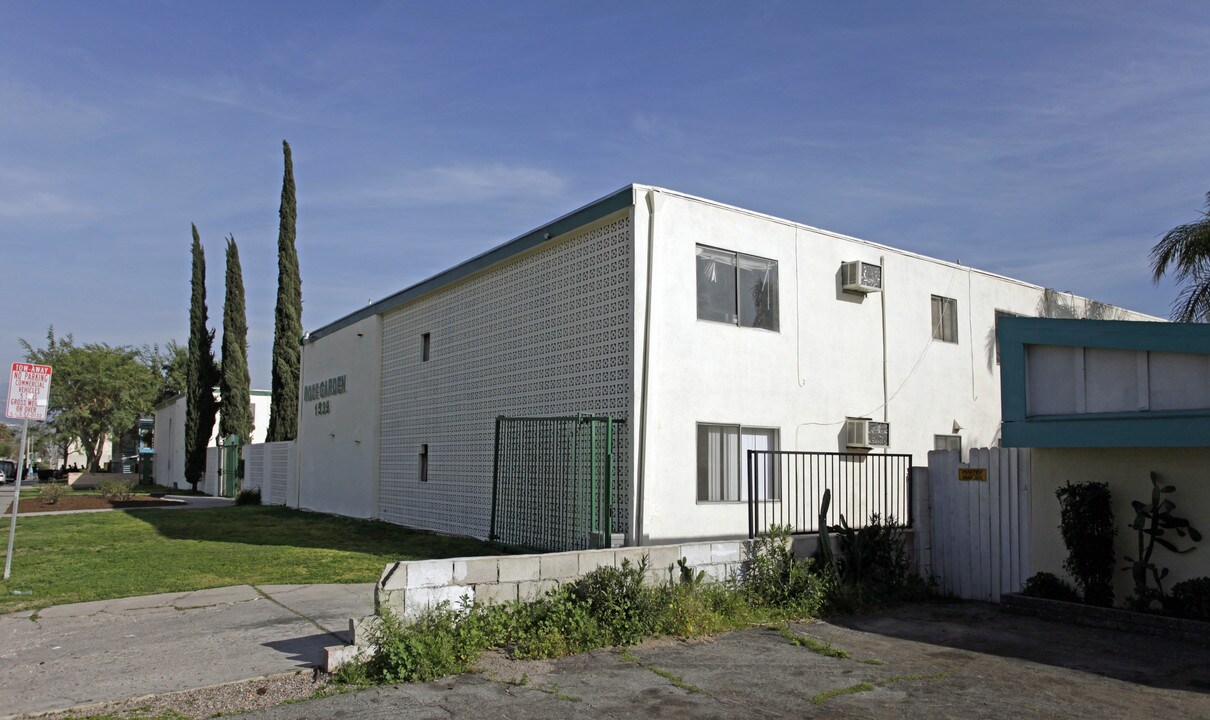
554	482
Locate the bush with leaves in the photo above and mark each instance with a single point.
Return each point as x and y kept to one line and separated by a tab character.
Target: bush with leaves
51	493
248	497
775	578
1191	598
1086	523
1049	586
117	489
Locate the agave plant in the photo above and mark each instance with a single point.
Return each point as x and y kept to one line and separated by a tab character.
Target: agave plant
1152	521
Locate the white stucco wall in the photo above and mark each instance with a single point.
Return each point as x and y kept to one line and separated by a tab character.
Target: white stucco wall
825	362
169	466
337	468
1127	471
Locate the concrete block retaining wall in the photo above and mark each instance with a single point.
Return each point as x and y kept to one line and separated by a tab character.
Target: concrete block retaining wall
409	588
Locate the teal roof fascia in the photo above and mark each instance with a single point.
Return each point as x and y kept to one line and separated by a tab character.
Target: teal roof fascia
574	220
1125	429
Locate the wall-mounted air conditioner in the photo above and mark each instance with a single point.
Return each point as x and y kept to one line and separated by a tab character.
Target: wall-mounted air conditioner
865	433
862	277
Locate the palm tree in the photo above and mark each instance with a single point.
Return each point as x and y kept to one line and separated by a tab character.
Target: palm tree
1185	250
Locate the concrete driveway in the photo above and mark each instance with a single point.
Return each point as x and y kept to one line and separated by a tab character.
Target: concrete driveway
961	661
69	655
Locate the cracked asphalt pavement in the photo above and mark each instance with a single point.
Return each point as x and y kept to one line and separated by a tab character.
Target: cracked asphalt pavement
84	653
959	660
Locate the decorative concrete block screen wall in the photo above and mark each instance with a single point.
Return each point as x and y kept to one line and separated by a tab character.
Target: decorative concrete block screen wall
269	467
409	588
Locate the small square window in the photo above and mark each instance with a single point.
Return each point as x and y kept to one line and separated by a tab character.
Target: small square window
424	347
423	470
945	319
947	442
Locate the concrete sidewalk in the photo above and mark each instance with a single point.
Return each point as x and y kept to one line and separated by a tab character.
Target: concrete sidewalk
83	653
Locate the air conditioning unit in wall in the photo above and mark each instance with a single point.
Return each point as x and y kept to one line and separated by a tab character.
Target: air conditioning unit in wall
865	433
862	277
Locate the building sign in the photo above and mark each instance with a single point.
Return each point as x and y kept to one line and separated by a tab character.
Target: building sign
972	474
28	392
320	391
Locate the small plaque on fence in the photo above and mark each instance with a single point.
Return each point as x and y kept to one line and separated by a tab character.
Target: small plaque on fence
972	474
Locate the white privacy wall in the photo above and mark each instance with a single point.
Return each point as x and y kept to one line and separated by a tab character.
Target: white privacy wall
826	361
547	333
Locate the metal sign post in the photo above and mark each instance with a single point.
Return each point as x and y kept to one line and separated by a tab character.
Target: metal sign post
28	396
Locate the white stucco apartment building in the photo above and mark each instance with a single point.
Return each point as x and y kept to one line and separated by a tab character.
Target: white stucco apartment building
707	328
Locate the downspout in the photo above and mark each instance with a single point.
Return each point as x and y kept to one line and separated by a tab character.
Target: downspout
297	446
653	203
886	400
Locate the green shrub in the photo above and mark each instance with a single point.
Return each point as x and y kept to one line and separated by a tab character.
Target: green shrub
775	578
248	497
117	489
1049	587
1191	598
430	648
50	493
1087	527
623	608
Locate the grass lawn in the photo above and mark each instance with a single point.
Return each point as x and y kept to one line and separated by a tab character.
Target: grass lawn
99	556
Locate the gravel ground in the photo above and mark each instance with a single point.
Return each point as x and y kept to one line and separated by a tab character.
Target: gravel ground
207	702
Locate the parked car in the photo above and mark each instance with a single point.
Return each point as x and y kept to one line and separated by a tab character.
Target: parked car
8	471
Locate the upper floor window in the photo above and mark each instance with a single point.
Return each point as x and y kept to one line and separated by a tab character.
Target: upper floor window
425	344
736	288
945	319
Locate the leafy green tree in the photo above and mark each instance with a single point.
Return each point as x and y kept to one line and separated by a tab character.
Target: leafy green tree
1185	250
201	374
235	385
171	365
287	328
8	442
96	389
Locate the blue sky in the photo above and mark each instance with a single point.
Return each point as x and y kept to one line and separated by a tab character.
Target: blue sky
1052	144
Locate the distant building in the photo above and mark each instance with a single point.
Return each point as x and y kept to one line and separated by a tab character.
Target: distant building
170	438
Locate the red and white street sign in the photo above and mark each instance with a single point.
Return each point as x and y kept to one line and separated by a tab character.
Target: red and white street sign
28	392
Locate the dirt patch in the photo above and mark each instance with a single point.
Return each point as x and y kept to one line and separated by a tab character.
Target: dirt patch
89	502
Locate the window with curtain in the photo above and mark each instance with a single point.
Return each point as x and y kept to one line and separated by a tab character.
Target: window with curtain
737	289
722	462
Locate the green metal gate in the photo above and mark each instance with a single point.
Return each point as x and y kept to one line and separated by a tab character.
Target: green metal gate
554	482
228	469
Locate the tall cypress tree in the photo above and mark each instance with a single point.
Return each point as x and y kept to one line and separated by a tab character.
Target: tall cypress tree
235	385
201	375
287	327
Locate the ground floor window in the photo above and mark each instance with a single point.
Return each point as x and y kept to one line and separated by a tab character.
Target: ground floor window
947	442
722	462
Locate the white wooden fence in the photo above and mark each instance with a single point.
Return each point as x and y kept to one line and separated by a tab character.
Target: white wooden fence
269	467
980	527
